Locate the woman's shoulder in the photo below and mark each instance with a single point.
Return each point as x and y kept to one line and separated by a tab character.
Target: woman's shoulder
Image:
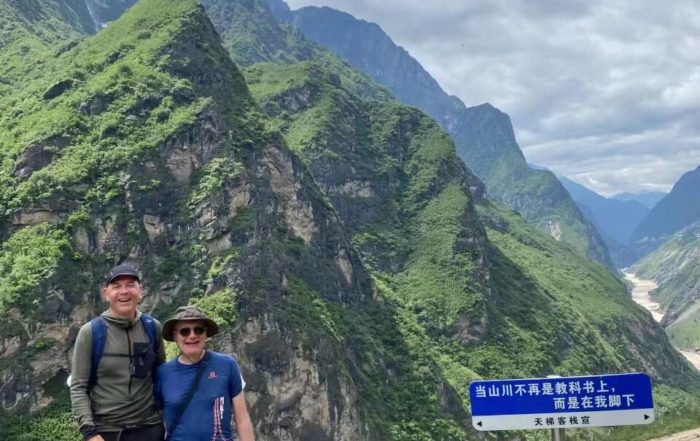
220	357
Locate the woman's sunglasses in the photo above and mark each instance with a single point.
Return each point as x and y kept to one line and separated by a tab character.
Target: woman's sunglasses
198	330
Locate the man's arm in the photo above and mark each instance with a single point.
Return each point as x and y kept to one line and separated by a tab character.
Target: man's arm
244	427
80	376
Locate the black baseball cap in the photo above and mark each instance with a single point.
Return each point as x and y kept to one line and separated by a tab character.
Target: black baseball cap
122	270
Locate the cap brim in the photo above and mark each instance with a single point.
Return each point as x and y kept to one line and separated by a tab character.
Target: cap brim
169	326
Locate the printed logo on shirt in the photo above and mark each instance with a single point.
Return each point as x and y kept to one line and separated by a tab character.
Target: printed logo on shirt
212	374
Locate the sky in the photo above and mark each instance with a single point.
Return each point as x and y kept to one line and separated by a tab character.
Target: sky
605	92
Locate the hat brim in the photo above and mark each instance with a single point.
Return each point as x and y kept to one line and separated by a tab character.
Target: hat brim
169	326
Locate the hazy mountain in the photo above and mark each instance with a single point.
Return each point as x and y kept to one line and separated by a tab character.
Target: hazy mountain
616	218
677	210
483	135
648	198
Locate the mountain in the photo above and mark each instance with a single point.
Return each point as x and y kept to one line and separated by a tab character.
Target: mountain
355	266
483	135
675	266
648	198
143	143
471	299
677	210
615	219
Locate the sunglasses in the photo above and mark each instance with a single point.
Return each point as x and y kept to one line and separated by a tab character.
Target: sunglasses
198	330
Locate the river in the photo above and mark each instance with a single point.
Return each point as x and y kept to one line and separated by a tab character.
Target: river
641	290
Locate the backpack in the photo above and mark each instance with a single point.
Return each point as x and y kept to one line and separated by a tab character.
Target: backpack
99	336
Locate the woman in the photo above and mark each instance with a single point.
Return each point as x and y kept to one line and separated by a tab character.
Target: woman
200	389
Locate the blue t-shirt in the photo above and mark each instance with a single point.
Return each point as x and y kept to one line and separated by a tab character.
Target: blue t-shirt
208	416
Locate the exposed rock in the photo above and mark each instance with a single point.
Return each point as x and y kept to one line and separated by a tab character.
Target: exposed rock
57	89
298	214
155	227
34	216
33	158
553	228
357	189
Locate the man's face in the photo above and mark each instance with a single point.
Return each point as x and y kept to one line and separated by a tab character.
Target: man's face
123	295
195	336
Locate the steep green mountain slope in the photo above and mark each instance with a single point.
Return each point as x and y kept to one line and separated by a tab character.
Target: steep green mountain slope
30	33
677	210
486	142
675	266
483	135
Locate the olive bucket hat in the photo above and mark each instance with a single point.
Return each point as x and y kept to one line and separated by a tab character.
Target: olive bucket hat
188	313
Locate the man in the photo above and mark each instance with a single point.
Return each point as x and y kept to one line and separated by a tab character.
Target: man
114	360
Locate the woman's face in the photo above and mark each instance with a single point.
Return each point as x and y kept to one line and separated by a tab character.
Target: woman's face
190	337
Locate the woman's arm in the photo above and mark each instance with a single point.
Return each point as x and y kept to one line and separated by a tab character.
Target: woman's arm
244	427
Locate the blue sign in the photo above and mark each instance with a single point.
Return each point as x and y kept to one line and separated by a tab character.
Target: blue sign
542	403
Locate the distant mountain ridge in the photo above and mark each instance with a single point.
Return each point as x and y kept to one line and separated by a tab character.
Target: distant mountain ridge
483	135
615	219
648	198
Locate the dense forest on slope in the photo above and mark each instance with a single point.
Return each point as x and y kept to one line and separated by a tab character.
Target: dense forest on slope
359	273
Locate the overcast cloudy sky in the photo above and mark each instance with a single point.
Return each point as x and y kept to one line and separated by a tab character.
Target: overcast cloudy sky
606	92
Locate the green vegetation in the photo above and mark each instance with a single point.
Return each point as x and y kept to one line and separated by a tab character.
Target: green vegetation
30	256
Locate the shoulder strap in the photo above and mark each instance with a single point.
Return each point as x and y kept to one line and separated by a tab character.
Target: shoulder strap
99	335
188	397
149	325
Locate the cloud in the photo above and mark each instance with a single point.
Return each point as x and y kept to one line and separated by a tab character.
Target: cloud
591	86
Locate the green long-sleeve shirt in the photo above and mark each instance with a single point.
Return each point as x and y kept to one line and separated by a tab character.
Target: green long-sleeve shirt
118	399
